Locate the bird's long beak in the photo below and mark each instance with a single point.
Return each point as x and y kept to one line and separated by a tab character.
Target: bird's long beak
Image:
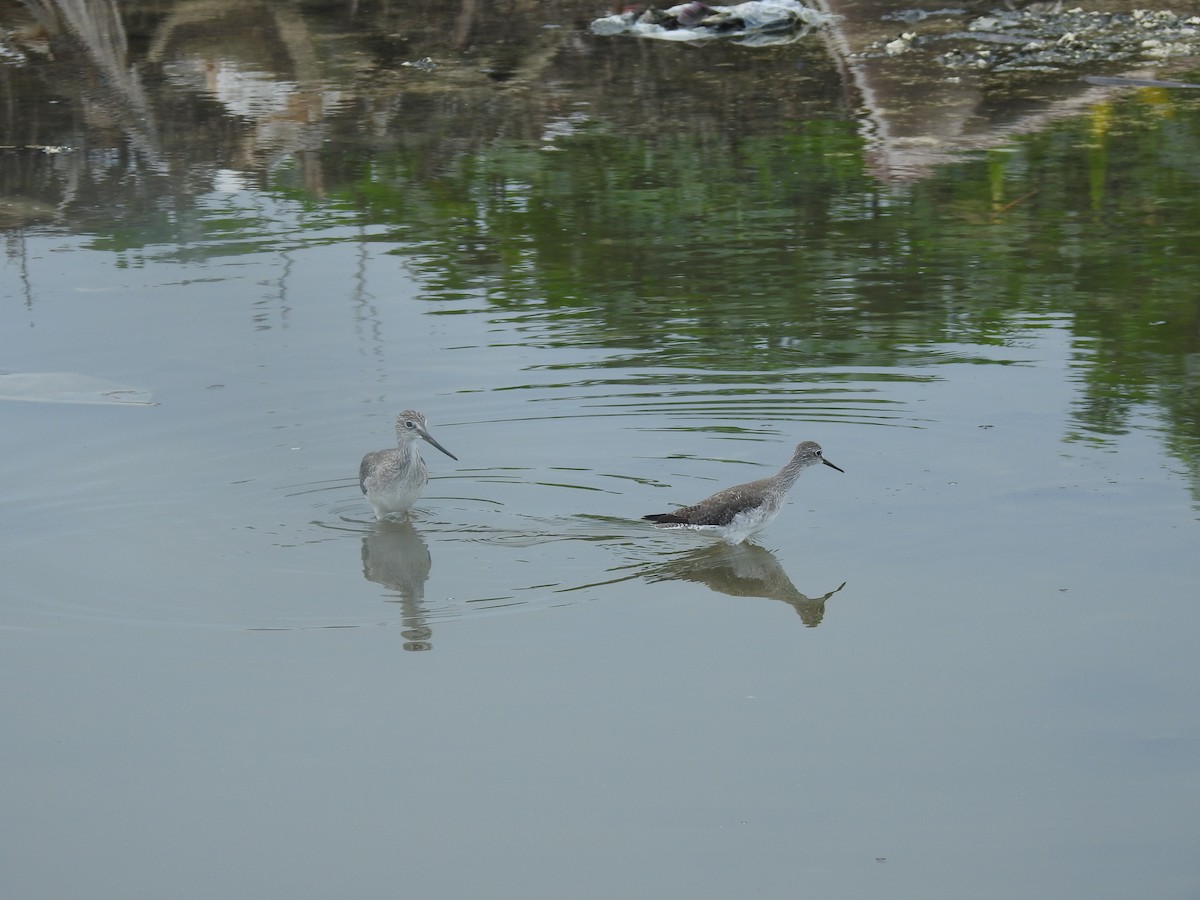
429	437
832	466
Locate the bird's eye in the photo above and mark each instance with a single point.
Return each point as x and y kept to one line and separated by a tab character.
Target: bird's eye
410	424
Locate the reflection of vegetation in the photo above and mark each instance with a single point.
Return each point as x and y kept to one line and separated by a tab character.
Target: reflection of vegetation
1112	238
625	229
712	217
774	252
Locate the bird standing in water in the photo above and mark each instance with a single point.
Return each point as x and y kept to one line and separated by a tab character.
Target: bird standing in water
393	479
738	512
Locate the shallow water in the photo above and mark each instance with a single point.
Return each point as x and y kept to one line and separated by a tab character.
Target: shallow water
965	667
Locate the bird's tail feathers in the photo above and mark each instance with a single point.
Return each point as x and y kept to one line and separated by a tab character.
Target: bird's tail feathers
665	519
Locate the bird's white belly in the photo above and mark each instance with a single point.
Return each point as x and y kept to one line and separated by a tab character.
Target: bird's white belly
740	527
395	496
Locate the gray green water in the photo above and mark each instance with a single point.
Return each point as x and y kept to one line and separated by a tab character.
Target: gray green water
615	276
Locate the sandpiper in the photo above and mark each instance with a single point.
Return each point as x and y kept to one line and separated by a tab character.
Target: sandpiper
393	479
736	513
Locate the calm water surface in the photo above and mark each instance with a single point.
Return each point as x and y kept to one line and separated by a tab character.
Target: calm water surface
614	282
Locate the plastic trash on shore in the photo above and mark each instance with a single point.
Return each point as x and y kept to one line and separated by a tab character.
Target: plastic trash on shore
757	23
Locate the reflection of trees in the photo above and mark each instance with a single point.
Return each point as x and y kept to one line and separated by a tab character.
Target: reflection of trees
1097	229
720	189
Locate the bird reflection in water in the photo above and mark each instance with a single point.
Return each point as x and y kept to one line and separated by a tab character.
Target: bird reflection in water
395	556
743	570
